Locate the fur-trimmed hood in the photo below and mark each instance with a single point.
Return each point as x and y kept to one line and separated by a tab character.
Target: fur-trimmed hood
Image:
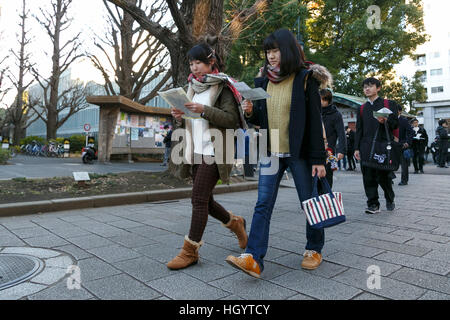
321	74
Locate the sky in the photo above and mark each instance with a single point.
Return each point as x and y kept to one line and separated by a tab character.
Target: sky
88	16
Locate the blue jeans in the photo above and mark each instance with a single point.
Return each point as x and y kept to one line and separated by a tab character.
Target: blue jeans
267	194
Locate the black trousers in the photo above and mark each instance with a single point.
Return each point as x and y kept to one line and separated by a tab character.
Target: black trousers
372	178
443	149
405	169
418	158
351	160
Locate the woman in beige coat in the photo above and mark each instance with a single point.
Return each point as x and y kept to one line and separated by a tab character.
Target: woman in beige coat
216	100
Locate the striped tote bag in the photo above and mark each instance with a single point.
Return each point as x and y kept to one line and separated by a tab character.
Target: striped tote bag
326	210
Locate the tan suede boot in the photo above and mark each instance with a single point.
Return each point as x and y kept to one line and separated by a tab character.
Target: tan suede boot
237	225
187	256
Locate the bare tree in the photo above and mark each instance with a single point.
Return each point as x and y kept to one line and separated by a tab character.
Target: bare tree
195	20
135	54
58	99
18	113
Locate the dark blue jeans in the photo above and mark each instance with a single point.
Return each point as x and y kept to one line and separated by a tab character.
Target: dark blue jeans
267	194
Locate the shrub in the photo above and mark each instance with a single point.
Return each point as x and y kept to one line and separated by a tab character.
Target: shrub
77	142
29	139
5	155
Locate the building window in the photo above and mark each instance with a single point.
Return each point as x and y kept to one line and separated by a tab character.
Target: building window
437	89
436	72
436	55
421	60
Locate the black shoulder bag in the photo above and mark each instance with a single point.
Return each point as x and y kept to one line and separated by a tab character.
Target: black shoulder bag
384	155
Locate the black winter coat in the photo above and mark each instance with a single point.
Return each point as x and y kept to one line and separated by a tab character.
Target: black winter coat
305	123
406	133
334	128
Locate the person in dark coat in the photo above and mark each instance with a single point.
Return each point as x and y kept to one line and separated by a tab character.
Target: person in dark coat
334	129
442	134
419	143
366	127
350	135
406	134
293	110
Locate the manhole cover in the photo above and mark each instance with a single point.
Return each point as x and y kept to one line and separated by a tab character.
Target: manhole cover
17	268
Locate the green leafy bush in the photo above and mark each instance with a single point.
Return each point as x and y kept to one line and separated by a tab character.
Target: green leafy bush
29	139
77	142
5	155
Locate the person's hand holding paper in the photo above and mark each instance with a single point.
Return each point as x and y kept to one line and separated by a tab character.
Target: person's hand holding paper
382	115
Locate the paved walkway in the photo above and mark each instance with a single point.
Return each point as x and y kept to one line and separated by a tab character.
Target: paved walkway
121	251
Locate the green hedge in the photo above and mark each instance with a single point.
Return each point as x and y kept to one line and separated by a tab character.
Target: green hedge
5	155
77	142
30	139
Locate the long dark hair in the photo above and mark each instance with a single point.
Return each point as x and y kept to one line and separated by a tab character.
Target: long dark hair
205	53
292	54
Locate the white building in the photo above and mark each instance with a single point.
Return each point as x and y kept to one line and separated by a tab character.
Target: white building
432	59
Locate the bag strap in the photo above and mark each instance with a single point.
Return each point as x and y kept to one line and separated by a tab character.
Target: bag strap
325	184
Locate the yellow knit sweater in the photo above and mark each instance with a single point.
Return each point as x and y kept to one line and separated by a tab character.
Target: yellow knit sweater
278	111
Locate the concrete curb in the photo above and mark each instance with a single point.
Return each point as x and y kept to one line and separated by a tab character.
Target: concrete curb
25	208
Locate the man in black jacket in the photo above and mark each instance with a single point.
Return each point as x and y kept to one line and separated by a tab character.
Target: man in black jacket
334	129
419	143
406	134
442	135
366	127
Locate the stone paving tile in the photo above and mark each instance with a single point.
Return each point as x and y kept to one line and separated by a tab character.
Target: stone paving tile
149	232
368	296
131	240
383	236
61	292
76	252
423	279
90	242
422	235
114	253
120	287
11	240
208	271
52	223
250	288
125	224
70	232
390	288
17	224
161	253
300	297
433	295
431	245
21	290
443	231
183	286
396	247
144	269
362	263
94	268
49	241
442	255
314	286
434	266
105	217
356	249
31	232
